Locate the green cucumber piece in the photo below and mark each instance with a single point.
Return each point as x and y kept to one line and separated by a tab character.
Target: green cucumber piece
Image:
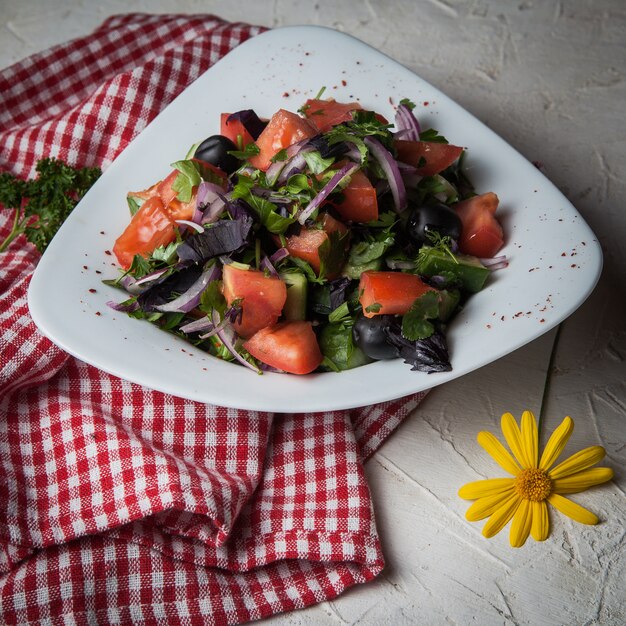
297	287
468	270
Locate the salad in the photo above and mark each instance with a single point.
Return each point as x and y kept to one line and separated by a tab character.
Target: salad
317	240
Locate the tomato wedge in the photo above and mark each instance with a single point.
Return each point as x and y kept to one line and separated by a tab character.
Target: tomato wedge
394	292
360	203
263	298
482	234
235	131
152	226
306	245
283	130
324	114
288	346
428	157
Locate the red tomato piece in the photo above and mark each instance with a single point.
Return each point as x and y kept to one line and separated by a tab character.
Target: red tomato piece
145	193
283	130
235	131
324	114
482	234
150	227
263	298
288	346
428	157
164	188
395	292
306	244
360	203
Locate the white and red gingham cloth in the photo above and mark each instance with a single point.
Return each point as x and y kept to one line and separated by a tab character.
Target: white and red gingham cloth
119	504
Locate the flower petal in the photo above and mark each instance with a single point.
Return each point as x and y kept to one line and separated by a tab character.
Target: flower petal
578	462
513	437
571	509
484	507
501	516
498	452
556	443
540	528
530	438
482	488
522	522
582	480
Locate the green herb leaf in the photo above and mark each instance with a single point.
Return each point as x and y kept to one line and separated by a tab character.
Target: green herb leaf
212	299
266	210
407	103
281	155
332	253
134	204
42	204
165	254
316	163
373	308
192	173
430	134
415	324
341	314
248	151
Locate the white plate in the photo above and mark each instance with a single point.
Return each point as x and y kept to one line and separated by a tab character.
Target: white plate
555	259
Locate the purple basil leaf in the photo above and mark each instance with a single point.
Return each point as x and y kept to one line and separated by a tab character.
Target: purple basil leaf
223	237
424	355
250	120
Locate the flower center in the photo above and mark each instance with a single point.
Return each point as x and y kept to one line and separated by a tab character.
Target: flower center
533	484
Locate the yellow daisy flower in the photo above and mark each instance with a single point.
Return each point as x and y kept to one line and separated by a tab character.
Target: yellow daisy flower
524	497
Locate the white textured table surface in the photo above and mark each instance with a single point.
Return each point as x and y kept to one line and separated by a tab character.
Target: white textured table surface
549	77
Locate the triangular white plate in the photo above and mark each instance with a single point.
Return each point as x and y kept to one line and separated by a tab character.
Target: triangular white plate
555	259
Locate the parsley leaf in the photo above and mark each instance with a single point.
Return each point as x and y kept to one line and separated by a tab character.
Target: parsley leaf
331	253
42	204
192	173
407	103
248	151
415	324
266	210
373	308
430	134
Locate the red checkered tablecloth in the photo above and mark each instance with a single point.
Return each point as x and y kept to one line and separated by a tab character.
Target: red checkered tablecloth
119	504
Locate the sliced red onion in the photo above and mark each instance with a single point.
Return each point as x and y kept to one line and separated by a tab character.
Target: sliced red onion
135	286
346	170
296	165
407	123
128	307
279	255
353	153
150	277
391	170
496	263
191	225
227	337
191	298
210	203
280	171
197	326
266	266
130	284
402	134
214	210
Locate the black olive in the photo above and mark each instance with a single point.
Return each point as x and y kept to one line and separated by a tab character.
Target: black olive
214	150
439	218
369	335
